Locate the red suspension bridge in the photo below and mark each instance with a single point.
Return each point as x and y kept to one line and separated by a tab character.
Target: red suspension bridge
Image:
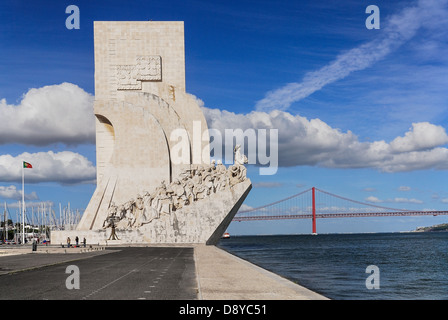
315	203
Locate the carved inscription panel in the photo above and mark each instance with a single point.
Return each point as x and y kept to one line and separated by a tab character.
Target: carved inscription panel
130	77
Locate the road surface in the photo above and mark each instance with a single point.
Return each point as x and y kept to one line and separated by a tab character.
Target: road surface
132	273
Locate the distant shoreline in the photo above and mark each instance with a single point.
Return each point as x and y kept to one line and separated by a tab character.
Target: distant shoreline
435	228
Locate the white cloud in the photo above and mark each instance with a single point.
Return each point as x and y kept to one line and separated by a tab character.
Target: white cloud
42	118
373	199
314	142
244	207
406	200
436	158
11	192
301	141
52	114
267	184
422	136
31	204
398	29
404	188
65	167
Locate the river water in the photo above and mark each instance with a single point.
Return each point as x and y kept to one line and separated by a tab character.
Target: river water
381	266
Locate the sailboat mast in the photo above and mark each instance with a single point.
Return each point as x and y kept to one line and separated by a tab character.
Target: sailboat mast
4	226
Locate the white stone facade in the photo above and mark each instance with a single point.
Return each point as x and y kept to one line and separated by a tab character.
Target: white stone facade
140	99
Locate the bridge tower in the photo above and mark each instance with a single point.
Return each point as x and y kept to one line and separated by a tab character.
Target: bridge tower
313	190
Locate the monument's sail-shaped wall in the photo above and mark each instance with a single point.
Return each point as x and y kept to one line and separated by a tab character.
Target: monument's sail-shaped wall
140	101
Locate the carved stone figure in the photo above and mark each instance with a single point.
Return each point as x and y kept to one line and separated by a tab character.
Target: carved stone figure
240	159
150	212
179	197
110	215
139	212
238	170
191	186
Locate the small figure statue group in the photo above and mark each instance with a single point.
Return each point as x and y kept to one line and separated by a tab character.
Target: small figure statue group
193	184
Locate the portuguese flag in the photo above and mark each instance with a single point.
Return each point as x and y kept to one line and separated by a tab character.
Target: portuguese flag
27	165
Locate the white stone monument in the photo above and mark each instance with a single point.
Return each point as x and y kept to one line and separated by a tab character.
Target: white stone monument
144	193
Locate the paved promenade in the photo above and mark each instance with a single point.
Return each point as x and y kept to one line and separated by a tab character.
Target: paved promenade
155	272
223	276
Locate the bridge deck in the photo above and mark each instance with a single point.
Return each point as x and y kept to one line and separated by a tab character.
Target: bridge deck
339	215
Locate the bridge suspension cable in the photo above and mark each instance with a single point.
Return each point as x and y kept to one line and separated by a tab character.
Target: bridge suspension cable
359	202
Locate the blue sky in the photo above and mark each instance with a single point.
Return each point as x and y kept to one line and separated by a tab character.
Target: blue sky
361	113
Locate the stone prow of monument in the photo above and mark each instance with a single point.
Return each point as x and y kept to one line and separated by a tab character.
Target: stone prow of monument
140	100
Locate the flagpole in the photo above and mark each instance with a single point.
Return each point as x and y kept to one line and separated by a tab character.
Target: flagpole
23	204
